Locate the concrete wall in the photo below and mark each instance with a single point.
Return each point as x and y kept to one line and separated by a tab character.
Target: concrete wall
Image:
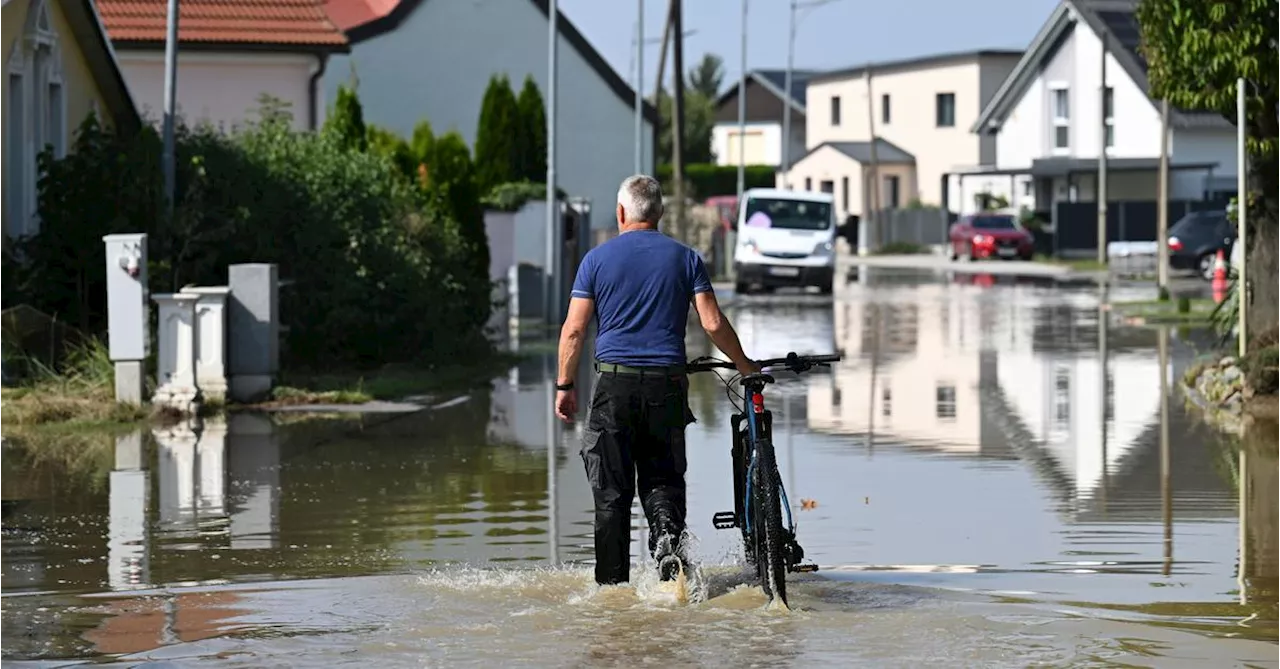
223	88
436	65
80	96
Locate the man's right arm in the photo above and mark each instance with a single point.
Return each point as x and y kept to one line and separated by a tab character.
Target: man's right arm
721	331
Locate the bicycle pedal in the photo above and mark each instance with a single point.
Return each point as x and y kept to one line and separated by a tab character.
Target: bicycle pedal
803	568
724	520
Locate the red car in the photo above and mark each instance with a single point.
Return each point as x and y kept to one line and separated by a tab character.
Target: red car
990	236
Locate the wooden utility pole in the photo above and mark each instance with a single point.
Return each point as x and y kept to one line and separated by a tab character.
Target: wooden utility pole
677	117
662	53
873	199
1162	206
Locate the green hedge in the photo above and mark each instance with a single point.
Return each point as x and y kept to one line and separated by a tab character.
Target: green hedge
708	180
380	271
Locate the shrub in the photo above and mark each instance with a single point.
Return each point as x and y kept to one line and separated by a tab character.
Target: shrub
512	196
346	120
532	136
497	150
708	180
901	248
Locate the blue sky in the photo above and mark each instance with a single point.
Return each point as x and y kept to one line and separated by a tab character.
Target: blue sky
842	33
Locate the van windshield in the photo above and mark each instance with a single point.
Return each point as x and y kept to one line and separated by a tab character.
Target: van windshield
787	214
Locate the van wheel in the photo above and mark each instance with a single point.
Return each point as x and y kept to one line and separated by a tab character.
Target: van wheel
741	288
825	288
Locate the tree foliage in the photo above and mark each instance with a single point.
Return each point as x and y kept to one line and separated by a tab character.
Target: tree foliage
1196	49
699	120
346	120
452	182
533	133
706	77
497	155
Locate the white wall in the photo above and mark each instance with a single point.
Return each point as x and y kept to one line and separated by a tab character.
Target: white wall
437	64
1023	136
1137	121
221	88
722	133
1201	146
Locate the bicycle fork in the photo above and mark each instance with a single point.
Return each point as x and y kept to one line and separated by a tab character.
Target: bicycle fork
739	517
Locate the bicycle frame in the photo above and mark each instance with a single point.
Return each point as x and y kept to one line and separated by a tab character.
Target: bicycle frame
758	427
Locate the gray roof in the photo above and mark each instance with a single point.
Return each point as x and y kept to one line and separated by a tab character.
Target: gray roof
774	81
916	62
886	152
1111	20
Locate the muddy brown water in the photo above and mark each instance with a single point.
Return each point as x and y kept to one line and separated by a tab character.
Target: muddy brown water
976	491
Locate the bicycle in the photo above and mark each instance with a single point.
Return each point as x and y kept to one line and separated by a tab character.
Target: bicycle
759	496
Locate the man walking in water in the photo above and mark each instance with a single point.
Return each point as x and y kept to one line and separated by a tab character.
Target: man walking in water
638	285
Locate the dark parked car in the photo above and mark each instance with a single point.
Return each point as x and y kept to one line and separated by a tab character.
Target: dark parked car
990	236
1194	241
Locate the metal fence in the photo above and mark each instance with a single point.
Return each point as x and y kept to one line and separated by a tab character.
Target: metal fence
1075	224
923	227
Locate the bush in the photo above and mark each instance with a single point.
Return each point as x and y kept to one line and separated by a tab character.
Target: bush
512	196
497	147
380	271
533	133
708	180
901	248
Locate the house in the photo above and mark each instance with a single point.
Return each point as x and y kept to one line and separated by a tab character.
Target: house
1047	117
61	68
415	60
231	53
922	107
766	94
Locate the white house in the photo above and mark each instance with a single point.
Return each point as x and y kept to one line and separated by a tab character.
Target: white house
230	55
413	60
1048	117
766	96
922	109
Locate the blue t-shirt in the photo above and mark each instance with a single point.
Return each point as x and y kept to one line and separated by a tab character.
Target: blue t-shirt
641	282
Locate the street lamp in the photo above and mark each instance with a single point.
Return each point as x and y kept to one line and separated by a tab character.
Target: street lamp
786	86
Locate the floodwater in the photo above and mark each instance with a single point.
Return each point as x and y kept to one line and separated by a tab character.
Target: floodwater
985	481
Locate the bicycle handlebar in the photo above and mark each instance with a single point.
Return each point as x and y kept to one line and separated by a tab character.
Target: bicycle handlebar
793	362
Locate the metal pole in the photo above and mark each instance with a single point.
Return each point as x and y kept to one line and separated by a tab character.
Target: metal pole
677	117
1103	354
1242	192
1162	206
169	158
742	109
1102	160
639	86
553	208
786	104
873	232
1166	485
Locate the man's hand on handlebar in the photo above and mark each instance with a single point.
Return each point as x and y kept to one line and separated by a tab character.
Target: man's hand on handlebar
747	367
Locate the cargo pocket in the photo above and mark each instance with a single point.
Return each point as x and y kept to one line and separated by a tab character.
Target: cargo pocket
593	458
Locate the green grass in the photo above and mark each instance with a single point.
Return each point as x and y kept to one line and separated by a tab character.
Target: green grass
1181	310
78	395
388	383
900	248
1077	264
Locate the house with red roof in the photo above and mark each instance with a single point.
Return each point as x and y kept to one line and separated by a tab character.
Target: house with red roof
432	59
231	53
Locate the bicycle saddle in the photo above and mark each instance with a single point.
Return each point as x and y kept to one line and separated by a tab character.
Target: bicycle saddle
759	377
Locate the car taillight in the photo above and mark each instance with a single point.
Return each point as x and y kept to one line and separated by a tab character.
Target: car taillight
1175	244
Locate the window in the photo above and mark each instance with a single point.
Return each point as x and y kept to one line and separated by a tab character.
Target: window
787	214
945	402
1026	188
1108	111
1061	119
891	186
1061	397
835	110
827	186
886	396
844	193
808	183
884	109
946	110
37	116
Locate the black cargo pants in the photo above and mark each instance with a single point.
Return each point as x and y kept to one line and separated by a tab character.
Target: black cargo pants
635	430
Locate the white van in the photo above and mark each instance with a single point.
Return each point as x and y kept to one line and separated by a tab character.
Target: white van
785	238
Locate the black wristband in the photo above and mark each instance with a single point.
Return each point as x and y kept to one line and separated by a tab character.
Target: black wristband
566	386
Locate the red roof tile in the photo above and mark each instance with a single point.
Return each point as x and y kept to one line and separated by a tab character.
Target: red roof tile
351	13
302	23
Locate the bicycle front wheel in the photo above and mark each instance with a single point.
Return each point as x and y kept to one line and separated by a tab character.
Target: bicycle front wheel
766	523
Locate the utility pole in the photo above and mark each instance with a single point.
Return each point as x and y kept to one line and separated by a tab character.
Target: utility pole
677	116
1242	207
169	157
873	198
786	104
1162	206
1102	160
639	86
742	109
553	206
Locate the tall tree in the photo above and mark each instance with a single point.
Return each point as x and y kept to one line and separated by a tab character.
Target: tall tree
1195	50
497	151
346	120
420	147
452	179
533	133
705	77
699	120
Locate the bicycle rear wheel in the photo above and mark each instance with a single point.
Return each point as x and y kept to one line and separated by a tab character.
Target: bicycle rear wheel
766	523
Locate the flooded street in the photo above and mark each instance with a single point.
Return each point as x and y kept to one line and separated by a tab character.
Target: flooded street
985	480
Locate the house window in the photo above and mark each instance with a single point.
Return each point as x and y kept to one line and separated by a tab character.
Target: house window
827	186
891	186
835	110
945	405
808	183
1061	397
37	116
844	193
885	114
1108	112
946	110
1061	118
886	397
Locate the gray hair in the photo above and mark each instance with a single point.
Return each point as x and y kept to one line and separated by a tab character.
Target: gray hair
641	198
